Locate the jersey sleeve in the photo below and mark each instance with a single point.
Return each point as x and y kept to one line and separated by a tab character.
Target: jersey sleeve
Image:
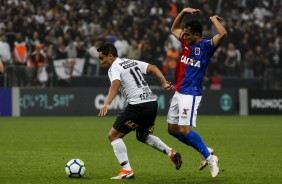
143	66
115	73
210	48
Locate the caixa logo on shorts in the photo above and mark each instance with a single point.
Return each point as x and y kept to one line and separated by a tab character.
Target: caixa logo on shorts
184	113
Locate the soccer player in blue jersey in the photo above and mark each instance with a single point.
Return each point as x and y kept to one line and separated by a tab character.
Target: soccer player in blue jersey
194	59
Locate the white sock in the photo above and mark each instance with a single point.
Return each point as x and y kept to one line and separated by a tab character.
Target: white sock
158	144
121	153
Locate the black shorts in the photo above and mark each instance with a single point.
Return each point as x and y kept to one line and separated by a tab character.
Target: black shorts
139	117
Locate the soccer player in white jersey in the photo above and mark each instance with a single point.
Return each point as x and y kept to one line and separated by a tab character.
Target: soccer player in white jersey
194	59
126	75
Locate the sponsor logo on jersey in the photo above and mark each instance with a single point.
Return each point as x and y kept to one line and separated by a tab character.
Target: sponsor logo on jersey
192	62
128	63
125	62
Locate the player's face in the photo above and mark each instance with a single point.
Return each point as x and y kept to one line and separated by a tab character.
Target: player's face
105	61
189	36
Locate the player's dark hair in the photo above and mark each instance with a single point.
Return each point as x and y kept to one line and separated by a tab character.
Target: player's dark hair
194	26
108	48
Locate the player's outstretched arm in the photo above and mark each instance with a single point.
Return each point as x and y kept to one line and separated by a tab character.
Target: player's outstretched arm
154	71
222	33
176	28
111	95
1	66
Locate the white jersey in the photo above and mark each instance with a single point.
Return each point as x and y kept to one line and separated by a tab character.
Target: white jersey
133	85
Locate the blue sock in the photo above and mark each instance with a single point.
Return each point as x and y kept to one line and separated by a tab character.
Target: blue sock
194	139
197	143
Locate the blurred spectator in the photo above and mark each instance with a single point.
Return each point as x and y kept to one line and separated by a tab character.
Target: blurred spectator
111	37
173	10
260	62
93	68
260	12
246	15
61	52
146	49
271	55
122	45
243	47
71	50
37	63
170	64
6	57
172	42
5	50
80	47
158	57
233	60
20	59
248	64
133	51
156	9
216	81
34	40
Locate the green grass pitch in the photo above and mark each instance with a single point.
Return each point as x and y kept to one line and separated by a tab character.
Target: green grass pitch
34	150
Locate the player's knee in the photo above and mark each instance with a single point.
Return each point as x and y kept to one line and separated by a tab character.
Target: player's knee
111	137
115	134
172	129
171	132
185	130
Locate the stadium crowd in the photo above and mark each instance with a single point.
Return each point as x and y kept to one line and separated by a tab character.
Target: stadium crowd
34	33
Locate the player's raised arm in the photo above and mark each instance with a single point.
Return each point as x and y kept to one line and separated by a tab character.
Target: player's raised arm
1	66
111	95
176	28
154	71
222	33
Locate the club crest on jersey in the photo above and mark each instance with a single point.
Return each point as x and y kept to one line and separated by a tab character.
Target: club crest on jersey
197	51
185	111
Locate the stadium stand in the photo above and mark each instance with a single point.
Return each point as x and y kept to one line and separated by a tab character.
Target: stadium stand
69	29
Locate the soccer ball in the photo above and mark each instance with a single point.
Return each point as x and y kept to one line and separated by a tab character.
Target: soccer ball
75	168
